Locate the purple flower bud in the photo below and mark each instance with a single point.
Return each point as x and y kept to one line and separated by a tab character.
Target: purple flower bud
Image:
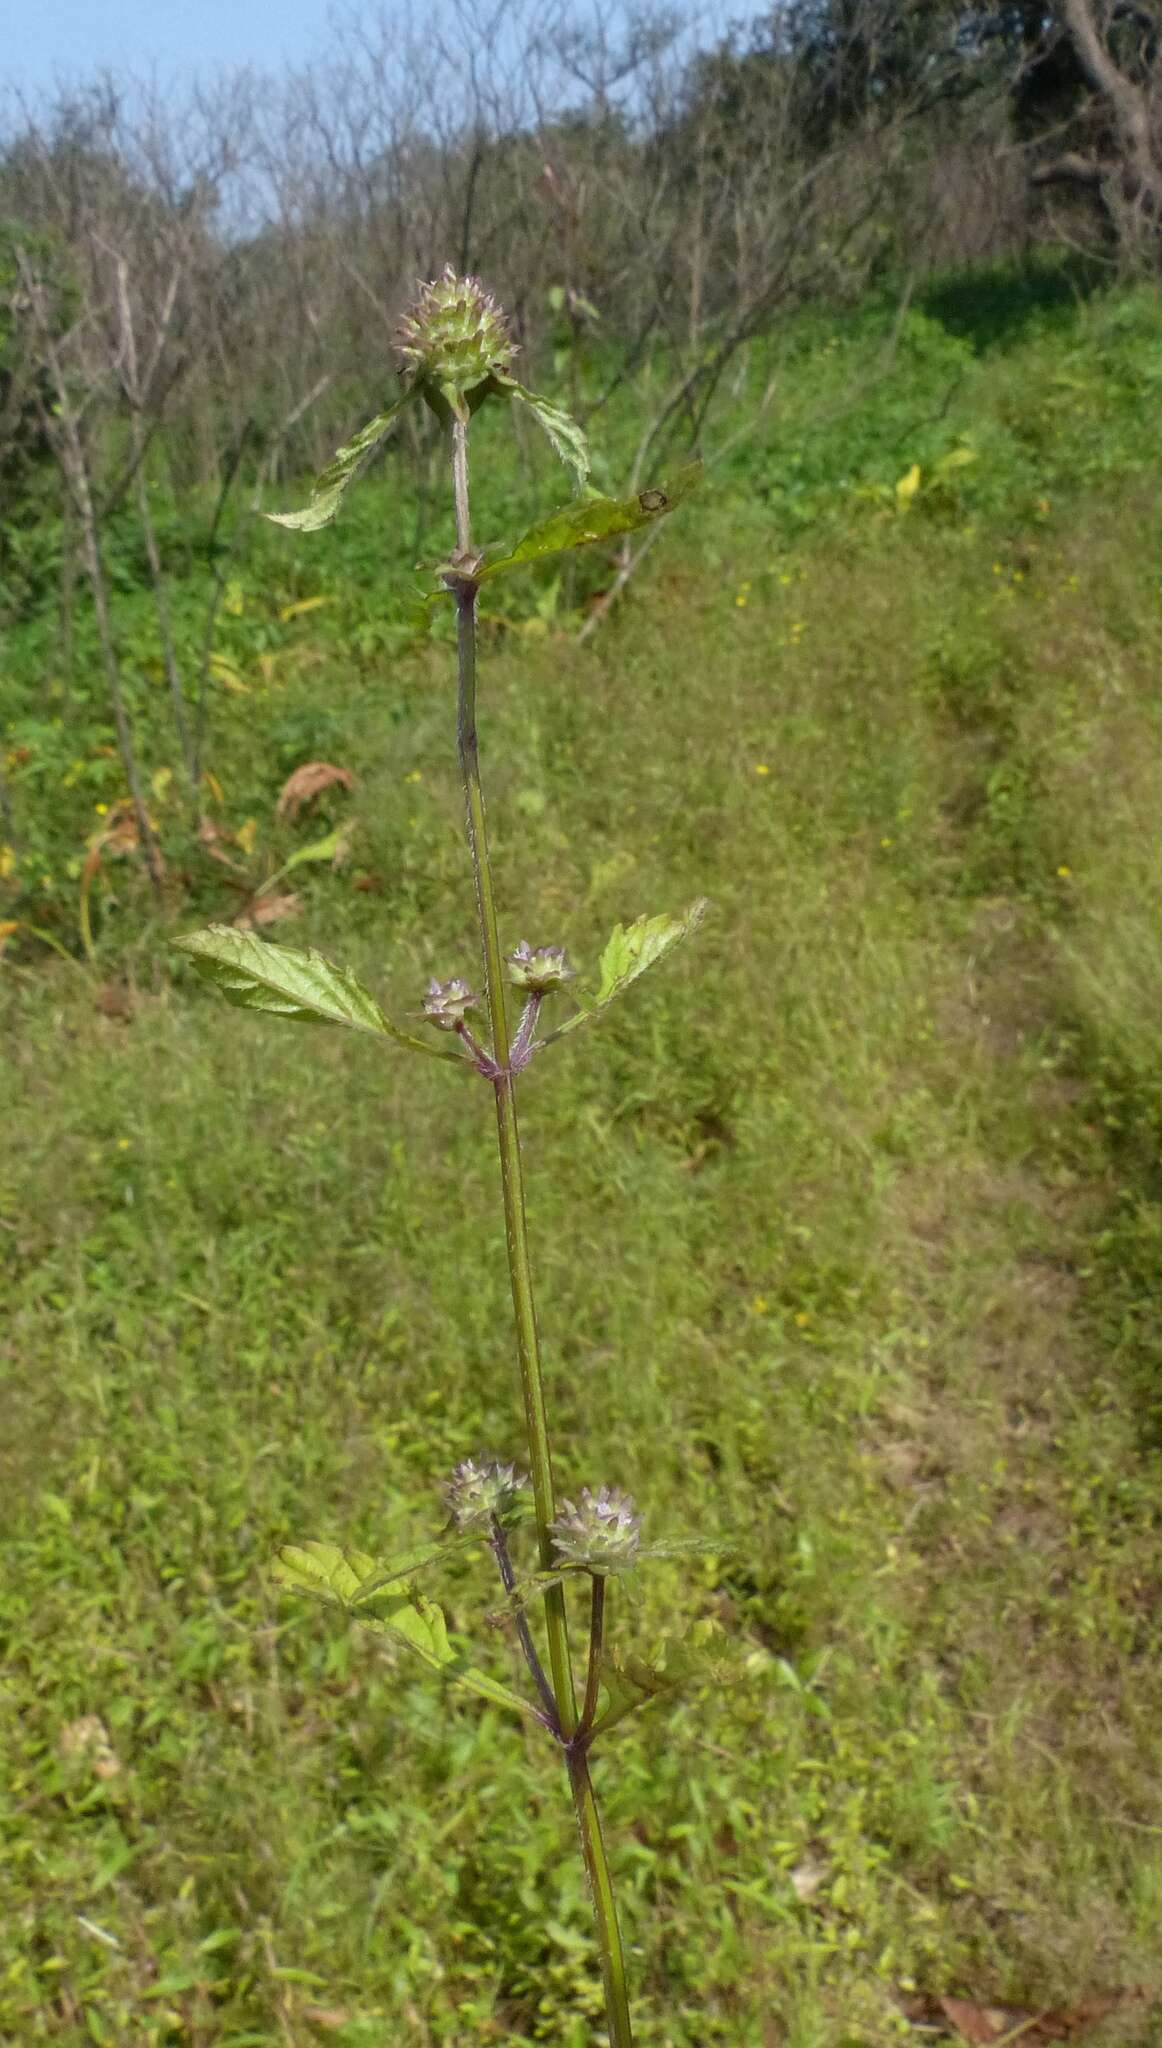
447	1003
539	969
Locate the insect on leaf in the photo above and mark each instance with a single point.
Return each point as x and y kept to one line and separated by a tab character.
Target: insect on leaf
593	519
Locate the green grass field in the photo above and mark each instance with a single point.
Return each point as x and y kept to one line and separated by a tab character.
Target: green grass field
848	1224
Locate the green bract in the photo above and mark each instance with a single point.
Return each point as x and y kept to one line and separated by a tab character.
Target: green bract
332	483
455	349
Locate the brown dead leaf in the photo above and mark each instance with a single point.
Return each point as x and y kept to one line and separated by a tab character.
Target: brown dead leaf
984	2023
210	838
267	910
329	2017
308	782
987	2026
114	1000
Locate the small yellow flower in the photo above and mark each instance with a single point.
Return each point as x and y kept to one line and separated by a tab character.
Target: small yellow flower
803	1318
101	809
759	1305
123	1144
762	768
1064	872
786	577
416	775
885	843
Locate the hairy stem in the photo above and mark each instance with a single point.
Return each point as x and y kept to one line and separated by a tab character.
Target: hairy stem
520	1275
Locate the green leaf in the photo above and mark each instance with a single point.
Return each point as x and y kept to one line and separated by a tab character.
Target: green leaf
703	1653
350	1578
422	1625
346	465
420	610
629	951
284	982
319	849
329	848
560	426
345	1577
593	519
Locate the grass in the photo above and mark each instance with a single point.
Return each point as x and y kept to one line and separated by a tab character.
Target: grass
848	1227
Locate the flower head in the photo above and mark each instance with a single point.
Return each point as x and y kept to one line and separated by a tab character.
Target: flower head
479	1493
454	337
539	969
447	1002
602	1533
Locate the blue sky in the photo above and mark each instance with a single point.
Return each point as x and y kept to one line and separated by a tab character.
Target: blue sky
68	40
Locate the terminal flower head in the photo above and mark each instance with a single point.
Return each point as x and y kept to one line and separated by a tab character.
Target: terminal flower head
479	1493
448	1002
453	339
601	1533
539	969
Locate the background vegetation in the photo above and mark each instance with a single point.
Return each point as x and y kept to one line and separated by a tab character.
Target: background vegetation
850	1223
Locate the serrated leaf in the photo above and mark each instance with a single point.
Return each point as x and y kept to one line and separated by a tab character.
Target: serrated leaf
348	463
592	519
632	1682
349	1579
345	1577
285	982
566	436
325	1571
629	951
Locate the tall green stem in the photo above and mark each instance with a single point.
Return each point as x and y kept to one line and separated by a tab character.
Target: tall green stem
520	1274
604	1903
